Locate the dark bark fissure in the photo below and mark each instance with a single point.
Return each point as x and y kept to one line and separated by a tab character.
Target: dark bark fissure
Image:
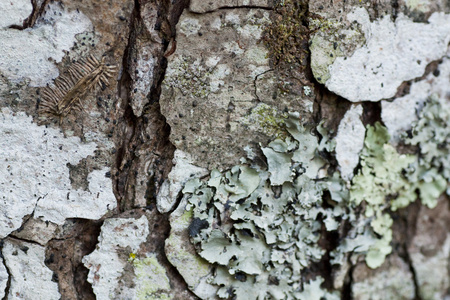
371	113
177	281
346	292
148	132
3	261
64	257
406	223
413	273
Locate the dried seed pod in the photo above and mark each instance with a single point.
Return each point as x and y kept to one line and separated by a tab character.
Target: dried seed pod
70	87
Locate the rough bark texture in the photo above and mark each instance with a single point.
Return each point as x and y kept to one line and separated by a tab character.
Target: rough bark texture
243	149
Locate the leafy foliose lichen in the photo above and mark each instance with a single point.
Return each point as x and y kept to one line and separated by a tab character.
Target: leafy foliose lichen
382	186
432	134
386	182
261	226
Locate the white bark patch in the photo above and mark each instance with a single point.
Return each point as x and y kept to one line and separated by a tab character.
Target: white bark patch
14	12
92	204
394	53
30	53
399	114
350	141
30	277
34	174
104	264
178	176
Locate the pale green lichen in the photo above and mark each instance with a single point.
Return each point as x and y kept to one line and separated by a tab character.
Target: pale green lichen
151	278
313	291
432	134
386	182
381	185
261	227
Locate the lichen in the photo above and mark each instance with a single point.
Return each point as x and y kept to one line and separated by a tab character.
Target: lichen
151	278
388	181
330	39
268	120
261	226
381	185
432	134
190	76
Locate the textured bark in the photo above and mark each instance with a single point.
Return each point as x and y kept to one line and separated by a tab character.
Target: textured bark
199	86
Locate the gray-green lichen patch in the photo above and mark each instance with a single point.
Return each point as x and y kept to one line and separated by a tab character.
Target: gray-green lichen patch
260	227
219	73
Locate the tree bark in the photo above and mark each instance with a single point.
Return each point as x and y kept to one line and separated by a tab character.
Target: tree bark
246	149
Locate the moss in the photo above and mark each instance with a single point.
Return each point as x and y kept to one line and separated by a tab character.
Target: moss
287	36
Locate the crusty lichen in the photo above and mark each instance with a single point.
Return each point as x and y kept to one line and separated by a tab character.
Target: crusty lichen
268	120
190	76
151	278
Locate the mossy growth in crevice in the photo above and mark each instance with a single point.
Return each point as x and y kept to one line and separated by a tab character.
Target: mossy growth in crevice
287	36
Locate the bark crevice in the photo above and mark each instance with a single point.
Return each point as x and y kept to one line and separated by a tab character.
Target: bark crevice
3	261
